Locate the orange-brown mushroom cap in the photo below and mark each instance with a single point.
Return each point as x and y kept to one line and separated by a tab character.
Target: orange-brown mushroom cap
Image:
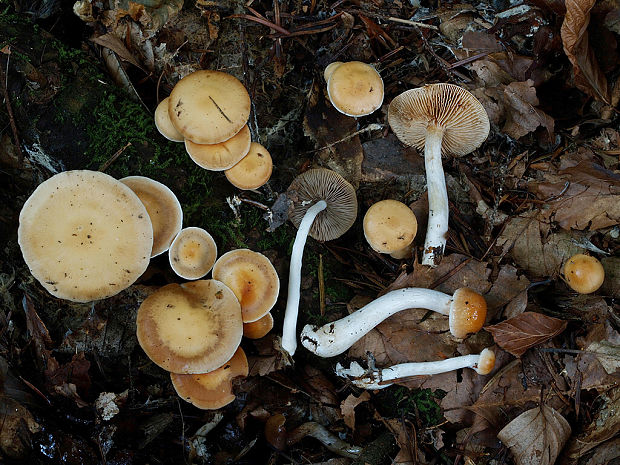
253	170
84	235
192	253
163	208
209	107
584	273
222	156
355	88
486	363
329	69
163	123
190	328
447	106
468	312
259	328
252	278
389	226
213	390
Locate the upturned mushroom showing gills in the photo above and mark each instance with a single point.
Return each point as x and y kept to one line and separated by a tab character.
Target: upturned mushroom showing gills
466	310
438	118
84	235
324	206
483	364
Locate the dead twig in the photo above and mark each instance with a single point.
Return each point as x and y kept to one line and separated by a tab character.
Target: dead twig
113	158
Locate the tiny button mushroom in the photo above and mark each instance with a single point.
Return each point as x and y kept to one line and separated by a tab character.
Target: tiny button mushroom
390	227
192	253
584	273
355	88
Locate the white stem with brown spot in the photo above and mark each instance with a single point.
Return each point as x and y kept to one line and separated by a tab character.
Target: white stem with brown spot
438	209
336	337
289	329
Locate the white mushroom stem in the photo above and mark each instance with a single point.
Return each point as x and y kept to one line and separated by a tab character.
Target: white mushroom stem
382	378
289	330
336	337
438	209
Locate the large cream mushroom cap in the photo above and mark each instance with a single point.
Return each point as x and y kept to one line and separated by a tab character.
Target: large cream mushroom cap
355	88
252	278
209	107
219	157
84	235
461	116
163	208
389	226
190	328
163	123
253	171
192	253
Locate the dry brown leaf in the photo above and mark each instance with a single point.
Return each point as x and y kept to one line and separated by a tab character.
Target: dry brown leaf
508	286
588	75
115	44
347	407
522	116
536	437
529	329
18	426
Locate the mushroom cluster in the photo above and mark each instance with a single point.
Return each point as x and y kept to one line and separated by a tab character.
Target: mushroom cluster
209	111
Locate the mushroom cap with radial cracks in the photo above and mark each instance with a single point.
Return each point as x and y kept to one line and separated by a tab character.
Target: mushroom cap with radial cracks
468	312
323	184
451	108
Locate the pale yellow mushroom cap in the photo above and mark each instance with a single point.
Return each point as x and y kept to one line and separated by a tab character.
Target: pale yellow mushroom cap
209	107
253	170
389	226
584	273
84	235
468	312
163	123
213	390
252	278
455	110
355	88
190	328
192	253
259	328
218	157
163	208
486	363
329	69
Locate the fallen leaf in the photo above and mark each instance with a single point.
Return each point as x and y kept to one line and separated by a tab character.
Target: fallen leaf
529	329
574	32
536	437
508	286
18	426
522	116
347	407
112	42
605	454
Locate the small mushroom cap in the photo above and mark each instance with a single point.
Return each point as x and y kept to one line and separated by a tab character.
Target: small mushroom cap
213	390
192	253
190	328
355	88
259	328
219	157
486	363
163	123
253	170
323	184
84	235
584	273
446	106
468	312
163	208
252	278
329	69
389	226
209	107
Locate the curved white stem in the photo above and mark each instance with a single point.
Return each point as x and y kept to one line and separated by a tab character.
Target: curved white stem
336	337
438	209
382	378
289	330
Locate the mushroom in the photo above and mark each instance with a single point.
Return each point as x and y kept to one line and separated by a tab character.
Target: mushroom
439	118
192	253
84	235
483	364
163	208
323	205
253	279
163	123
390	227
584	273
329	69
466	310
190	328
253	170
209	107
354	88
259	328
222	156
213	390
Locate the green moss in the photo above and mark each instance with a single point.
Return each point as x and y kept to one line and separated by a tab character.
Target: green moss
420	403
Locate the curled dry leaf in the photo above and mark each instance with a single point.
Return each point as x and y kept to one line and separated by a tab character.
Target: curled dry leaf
347	407
522	116
529	329
536	437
